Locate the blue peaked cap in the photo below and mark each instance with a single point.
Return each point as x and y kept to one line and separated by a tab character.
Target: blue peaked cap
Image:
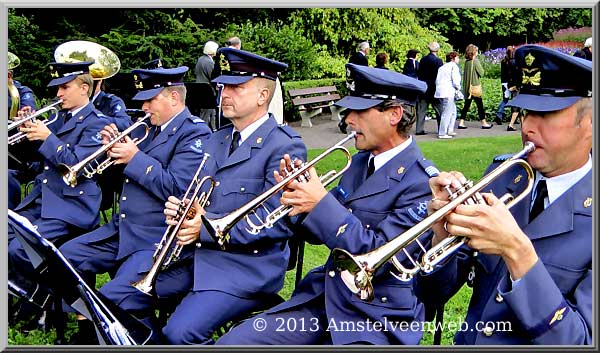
239	66
62	73
551	80
370	87
150	82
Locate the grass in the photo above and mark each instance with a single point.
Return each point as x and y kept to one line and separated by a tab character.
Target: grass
469	155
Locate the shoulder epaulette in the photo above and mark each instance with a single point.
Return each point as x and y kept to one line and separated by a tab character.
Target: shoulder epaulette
429	167
288	131
503	157
196	119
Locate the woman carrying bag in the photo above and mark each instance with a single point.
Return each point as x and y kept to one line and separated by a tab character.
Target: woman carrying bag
473	71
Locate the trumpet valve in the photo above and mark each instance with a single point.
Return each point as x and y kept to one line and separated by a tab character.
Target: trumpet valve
191	213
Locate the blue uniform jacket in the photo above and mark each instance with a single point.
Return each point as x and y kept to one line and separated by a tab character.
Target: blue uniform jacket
359	216
251	264
113	107
552	303
69	143
26	96
164	166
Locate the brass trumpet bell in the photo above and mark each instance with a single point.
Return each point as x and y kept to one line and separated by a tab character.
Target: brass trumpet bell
357	271
106	63
13	61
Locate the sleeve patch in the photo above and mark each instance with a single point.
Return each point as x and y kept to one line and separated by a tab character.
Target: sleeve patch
197	146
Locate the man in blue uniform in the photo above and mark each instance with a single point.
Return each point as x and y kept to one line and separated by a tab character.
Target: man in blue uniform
161	165
21	100
221	286
530	267
110	105
55	208
383	194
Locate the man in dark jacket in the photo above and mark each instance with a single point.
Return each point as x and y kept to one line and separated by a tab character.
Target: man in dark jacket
428	68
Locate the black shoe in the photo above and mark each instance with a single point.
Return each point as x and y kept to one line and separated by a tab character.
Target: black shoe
462	127
421	133
510	128
487	126
498	121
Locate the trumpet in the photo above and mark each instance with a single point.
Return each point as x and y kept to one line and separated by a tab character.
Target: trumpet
219	228
160	258
19	136
357	270
89	166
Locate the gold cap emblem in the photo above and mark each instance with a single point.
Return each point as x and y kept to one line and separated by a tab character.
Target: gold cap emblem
588	202
224	64
529	59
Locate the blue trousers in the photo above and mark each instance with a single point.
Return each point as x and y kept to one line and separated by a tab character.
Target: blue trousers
303	325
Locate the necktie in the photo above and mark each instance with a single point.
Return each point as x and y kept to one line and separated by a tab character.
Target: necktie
235	142
541	191
371	168
156	132
68	116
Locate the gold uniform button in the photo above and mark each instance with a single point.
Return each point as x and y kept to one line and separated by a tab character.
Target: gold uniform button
331	274
217	183
81	192
124	198
499	298
488	331
127	180
45	181
68	145
198	245
350	210
384	299
122	215
255	251
242	189
368	226
46	167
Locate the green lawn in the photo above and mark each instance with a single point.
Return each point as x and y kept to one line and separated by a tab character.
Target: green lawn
468	155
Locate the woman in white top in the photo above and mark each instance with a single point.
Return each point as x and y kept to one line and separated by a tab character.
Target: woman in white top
447	86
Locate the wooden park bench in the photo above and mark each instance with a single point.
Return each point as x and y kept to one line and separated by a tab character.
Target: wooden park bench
311	101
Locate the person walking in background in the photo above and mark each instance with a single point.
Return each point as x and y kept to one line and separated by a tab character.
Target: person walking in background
428	69
472	73
447	86
381	60
360	57
411	66
234	42
203	70
586	52
509	78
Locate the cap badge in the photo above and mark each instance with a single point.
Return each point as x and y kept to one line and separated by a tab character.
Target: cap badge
224	63
529	59
138	83
588	202
533	79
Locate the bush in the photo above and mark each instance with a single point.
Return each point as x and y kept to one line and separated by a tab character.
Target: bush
492	96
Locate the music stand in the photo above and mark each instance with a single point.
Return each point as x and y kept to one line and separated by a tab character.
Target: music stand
64	281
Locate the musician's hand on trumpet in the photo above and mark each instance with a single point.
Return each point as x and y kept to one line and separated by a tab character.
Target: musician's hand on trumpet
24	112
190	228
304	194
35	130
109	133
441	188
123	151
489	226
